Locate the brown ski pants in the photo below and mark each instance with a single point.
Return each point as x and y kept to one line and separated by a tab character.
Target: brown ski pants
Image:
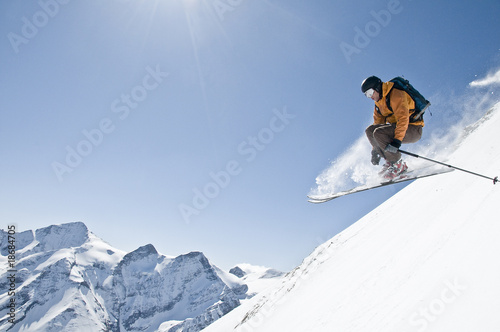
380	135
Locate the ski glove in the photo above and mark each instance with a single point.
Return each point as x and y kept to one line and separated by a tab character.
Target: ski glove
375	157
394	146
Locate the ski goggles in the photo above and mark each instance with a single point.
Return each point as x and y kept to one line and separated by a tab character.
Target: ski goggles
369	93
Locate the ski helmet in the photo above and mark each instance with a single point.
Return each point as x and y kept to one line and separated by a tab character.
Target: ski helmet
372	82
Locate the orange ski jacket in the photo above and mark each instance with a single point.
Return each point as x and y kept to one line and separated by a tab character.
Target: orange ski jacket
403	107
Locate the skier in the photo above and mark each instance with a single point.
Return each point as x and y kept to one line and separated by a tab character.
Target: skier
390	128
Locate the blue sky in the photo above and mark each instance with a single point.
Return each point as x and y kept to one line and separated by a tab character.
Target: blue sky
202	125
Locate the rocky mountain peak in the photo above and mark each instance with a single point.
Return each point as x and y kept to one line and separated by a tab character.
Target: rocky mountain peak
70	278
57	237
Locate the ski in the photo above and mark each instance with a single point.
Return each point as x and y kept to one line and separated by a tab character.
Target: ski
409	176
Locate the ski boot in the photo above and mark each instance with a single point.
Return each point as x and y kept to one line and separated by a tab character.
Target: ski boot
395	170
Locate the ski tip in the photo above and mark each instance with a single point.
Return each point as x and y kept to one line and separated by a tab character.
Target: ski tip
315	200
495	180
320	199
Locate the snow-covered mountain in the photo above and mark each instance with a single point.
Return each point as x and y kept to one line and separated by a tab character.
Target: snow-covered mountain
68	279
257	278
424	260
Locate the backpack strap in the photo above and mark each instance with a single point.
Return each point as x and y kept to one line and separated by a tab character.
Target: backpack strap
388	104
388	100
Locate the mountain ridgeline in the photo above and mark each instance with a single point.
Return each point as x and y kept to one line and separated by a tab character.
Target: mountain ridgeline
67	279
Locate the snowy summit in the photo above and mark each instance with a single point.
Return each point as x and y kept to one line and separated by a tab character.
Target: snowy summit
67	279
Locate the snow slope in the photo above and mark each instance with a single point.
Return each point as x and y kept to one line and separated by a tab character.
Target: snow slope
425	260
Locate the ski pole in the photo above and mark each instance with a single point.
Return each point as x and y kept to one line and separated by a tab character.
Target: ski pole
495	179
